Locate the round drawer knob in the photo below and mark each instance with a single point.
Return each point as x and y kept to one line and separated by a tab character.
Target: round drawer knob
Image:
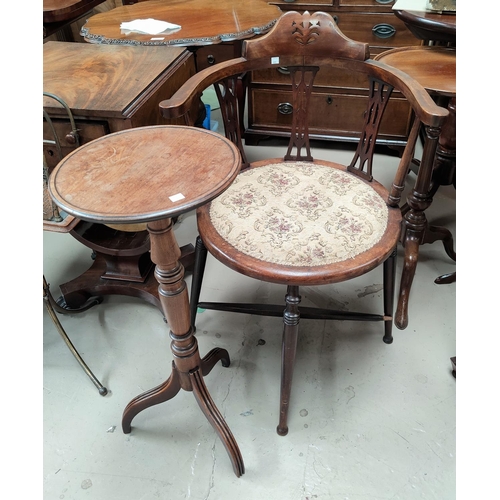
71	138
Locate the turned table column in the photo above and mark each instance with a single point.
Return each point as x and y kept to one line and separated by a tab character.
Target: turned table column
435	69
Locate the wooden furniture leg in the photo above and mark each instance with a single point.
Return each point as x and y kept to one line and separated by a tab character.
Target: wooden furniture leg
389	287
444	170
443	174
418	231
291	318
421	234
187	368
411	245
435	69
415	224
198	272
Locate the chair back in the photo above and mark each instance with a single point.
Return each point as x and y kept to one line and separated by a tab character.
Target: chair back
303	44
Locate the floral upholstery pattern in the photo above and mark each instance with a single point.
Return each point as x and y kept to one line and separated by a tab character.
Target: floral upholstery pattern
300	214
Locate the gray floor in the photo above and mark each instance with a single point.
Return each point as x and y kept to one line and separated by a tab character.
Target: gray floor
367	420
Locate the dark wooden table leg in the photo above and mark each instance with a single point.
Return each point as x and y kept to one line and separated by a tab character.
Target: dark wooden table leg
411	245
444	170
416	230
445	174
415	224
188	368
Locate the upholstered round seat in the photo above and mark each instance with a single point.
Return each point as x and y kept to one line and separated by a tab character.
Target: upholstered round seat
313	216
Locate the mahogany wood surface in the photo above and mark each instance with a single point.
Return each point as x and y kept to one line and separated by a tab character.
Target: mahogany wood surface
154	174
111	82
63	10
339	98
303	44
202	22
109	88
146	174
433	67
430	25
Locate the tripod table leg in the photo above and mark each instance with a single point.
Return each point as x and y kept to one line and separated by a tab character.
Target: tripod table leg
187	368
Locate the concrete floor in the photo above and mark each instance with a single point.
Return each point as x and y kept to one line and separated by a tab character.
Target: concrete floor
367	420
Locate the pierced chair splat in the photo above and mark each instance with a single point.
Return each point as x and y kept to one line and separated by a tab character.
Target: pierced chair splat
297	220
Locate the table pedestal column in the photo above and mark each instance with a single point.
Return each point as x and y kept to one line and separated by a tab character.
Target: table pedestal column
188	368
415	225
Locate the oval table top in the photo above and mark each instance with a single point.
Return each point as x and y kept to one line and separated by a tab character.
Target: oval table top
202	22
144	174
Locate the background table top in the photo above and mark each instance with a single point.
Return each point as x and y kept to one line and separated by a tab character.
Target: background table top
102	80
433	67
202	22
429	25
61	10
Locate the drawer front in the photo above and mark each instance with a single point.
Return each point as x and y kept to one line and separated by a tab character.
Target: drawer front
326	77
379	30
87	131
332	114
212	54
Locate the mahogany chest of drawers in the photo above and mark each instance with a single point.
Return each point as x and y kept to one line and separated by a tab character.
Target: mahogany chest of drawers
107	88
339	102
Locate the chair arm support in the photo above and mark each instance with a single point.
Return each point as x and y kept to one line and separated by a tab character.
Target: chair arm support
427	111
180	103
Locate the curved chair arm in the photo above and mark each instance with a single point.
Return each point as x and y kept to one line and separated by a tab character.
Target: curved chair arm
427	111
181	102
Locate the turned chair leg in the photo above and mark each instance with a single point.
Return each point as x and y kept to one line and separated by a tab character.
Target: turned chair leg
291	317
200	260
389	286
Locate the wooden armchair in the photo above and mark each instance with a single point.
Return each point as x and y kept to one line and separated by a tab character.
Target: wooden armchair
300	221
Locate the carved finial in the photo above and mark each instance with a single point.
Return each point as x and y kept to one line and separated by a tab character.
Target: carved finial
307	31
